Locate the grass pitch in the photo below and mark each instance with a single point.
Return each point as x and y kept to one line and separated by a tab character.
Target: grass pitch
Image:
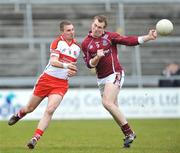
92	136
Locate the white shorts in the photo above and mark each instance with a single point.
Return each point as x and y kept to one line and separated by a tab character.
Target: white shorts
115	78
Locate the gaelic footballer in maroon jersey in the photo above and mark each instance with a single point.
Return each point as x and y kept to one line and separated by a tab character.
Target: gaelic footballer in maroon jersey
100	52
108	42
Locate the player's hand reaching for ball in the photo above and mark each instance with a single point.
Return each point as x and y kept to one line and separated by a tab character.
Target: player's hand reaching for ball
152	34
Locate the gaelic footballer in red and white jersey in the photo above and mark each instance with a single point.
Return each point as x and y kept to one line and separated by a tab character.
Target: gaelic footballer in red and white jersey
66	52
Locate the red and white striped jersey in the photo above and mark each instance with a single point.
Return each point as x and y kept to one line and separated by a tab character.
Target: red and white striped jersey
66	52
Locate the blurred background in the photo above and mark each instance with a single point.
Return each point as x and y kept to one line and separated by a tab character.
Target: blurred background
27	27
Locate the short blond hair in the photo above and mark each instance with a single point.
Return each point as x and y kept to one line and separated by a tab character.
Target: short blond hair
64	23
101	18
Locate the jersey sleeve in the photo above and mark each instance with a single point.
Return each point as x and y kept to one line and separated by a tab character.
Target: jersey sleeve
124	40
53	48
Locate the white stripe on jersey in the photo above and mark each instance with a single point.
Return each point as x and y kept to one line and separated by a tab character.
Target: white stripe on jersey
54	54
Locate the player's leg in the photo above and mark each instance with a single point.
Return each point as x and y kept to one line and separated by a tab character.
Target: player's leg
33	102
53	102
111	104
109	100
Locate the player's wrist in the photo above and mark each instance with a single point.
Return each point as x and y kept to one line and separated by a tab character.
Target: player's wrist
141	39
91	64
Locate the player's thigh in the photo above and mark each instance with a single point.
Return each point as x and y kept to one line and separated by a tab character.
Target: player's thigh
111	92
34	101
54	100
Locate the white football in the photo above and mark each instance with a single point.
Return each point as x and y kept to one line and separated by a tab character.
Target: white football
164	27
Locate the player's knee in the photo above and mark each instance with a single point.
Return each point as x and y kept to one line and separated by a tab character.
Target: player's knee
107	104
50	110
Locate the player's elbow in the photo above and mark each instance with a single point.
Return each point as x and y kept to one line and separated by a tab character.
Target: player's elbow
53	62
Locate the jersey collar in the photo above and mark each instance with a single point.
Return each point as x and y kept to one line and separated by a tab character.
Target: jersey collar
90	34
69	43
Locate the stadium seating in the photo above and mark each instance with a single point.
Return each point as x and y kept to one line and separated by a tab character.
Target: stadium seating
139	18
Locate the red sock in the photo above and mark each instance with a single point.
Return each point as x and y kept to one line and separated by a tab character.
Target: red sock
126	129
21	113
38	133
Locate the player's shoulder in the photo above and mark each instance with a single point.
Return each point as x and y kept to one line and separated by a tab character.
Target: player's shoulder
77	43
112	34
86	40
55	42
57	39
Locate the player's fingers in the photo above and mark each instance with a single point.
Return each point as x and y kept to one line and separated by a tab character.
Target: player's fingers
73	67
154	34
71	73
74	63
100	53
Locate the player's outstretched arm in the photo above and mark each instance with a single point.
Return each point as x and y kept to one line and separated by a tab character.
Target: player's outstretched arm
152	35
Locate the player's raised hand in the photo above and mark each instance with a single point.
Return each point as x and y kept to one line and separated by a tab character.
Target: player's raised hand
152	34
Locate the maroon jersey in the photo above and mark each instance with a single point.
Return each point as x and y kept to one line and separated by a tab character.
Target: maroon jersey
108	42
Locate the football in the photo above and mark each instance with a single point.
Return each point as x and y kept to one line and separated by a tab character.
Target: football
164	27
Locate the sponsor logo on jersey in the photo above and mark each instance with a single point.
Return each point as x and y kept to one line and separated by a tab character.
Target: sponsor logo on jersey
91	46
97	44
105	43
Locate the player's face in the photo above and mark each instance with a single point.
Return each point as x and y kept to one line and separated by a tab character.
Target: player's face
97	28
68	32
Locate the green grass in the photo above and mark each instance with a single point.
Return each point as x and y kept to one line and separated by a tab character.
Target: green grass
92	136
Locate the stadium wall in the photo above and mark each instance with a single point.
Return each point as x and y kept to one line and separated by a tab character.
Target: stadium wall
27	29
86	104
